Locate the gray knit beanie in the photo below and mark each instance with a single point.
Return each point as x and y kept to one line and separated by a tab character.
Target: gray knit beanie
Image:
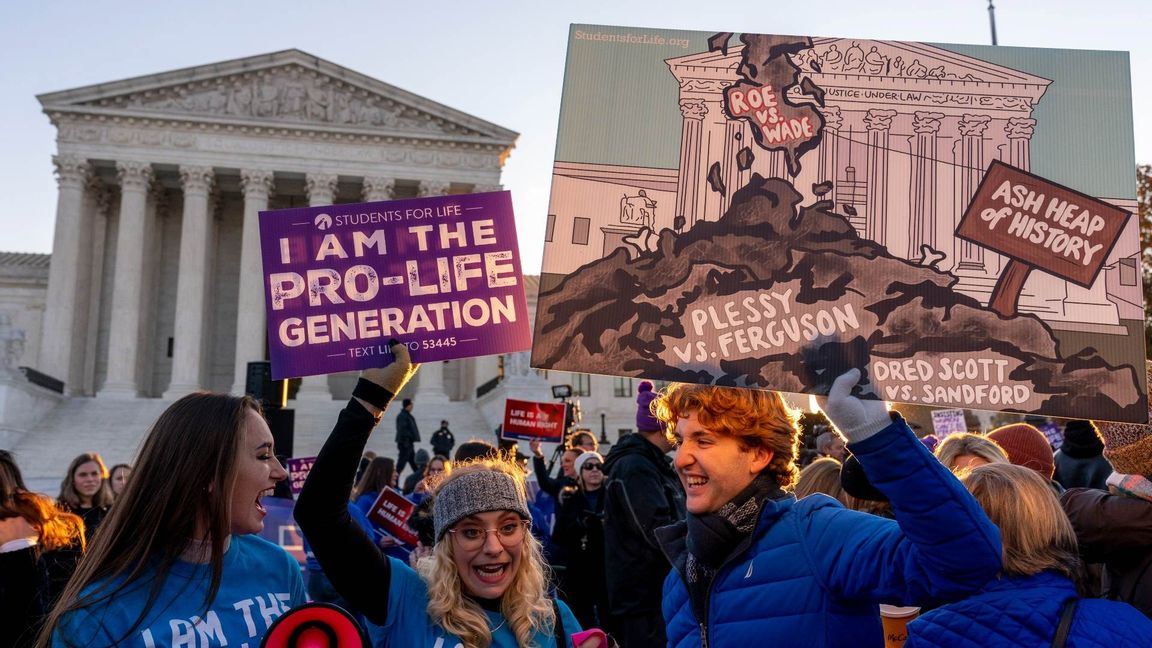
477	492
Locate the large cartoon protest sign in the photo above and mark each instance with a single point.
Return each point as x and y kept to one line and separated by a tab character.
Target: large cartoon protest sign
441	274
763	211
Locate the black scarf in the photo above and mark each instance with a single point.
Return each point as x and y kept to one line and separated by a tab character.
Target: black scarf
713	537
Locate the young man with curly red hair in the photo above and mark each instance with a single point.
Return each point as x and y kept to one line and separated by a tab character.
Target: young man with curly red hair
752	563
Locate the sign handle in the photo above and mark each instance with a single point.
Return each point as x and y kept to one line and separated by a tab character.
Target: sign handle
1007	290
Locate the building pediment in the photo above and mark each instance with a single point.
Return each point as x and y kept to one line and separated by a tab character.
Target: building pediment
289	89
841	59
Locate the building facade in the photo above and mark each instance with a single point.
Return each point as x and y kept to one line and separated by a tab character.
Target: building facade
154	286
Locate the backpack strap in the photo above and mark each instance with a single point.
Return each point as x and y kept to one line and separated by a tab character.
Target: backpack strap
1066	613
561	640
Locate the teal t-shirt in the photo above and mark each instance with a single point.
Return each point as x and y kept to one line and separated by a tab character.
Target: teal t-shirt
260	582
409	625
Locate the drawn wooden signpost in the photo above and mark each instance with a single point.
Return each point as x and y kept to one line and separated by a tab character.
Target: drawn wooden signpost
1039	224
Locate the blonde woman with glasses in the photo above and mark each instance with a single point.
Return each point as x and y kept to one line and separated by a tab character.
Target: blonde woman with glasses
485	580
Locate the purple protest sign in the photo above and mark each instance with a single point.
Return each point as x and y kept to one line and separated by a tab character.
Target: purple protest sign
442	274
298	469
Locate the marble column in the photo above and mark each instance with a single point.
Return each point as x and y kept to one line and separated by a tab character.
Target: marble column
251	324
321	189
689	197
430	379
971	170
433	188
923	226
191	283
378	189
878	122
60	343
93	270
121	379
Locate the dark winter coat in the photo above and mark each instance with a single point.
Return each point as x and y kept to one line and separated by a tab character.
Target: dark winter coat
1024	611
642	493
1091	472
407	434
1115	530
813	573
580	531
443	441
30	583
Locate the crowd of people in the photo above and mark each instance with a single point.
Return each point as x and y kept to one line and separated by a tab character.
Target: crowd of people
698	529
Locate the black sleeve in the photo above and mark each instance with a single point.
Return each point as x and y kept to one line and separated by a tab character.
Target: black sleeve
357	569
1106	524
570	517
21	595
547	484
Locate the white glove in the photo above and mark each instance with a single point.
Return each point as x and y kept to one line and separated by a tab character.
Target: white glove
855	418
397	374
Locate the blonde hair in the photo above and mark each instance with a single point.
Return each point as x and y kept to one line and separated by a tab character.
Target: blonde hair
821	476
1034	530
966	443
525	603
755	418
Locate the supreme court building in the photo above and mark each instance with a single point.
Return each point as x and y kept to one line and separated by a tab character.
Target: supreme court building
155	281
153	288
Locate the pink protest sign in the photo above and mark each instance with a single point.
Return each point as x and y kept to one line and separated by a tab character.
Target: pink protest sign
391	512
441	274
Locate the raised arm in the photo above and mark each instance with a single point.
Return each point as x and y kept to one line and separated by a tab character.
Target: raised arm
349	557
942	545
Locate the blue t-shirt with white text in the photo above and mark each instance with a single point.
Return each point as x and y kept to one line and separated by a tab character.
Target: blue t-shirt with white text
409	625
260	582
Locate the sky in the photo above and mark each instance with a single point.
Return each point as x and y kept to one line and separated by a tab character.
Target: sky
500	61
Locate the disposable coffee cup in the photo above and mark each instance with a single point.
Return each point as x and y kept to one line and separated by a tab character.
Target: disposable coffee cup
895	621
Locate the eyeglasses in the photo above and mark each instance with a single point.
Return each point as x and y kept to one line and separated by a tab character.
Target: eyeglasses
592	466
471	537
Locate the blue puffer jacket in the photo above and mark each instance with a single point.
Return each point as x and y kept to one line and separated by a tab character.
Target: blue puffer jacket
1025	611
813	572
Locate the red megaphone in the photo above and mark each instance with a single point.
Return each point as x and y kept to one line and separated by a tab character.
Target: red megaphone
316	625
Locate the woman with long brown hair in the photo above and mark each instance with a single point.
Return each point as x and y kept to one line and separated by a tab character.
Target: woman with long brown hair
484	583
177	558
85	492
380	474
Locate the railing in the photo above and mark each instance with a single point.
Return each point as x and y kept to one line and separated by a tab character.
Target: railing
42	380
488	386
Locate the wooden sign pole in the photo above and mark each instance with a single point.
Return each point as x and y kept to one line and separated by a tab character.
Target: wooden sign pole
1007	291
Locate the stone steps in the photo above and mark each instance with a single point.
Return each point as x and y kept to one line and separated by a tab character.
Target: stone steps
115	429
